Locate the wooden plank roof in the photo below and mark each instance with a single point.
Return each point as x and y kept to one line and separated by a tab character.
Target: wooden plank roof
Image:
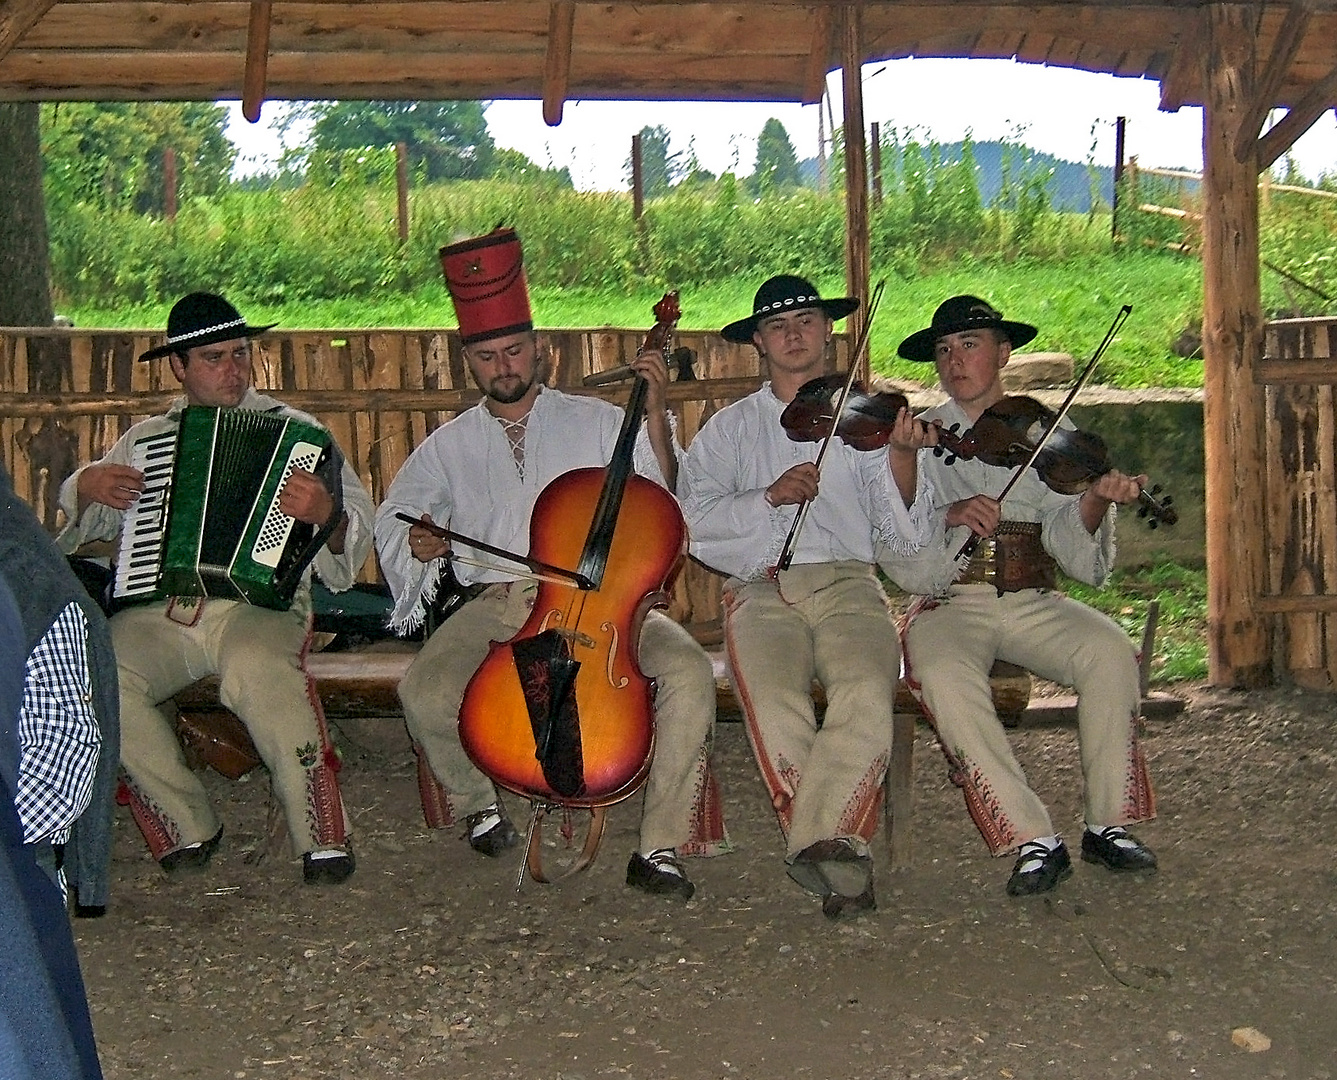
660	49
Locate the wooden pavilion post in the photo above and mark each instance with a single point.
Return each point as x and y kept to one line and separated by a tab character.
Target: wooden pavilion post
1239	645
856	171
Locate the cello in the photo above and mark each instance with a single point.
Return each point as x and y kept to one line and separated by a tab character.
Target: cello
561	713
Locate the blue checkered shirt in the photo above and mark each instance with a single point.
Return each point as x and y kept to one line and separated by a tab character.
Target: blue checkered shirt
59	738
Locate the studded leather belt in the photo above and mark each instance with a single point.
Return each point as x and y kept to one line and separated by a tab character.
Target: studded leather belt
1012	558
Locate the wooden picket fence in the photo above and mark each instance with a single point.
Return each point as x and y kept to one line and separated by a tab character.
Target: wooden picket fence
67	395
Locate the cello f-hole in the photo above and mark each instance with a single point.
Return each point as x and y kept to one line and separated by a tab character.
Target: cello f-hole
616	683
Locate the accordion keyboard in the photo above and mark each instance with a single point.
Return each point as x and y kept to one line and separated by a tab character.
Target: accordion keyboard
145	522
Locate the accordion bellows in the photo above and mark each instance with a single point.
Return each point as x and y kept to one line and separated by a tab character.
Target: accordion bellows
208	522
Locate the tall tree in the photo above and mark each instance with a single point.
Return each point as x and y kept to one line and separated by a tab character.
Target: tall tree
660	170
110	154
777	164
447	140
25	298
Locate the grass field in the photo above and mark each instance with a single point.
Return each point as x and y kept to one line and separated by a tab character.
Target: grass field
1072	303
1181	634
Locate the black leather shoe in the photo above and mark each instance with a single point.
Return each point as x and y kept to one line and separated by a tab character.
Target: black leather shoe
328	871
1039	870
833	867
501	837
659	875
192	859
1118	850
836	906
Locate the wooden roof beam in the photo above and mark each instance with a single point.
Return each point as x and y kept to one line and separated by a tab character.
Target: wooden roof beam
17	17
1282	135
1185	71
819	57
557	63
1285	46
256	74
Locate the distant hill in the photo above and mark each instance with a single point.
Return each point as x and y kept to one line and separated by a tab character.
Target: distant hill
1069	185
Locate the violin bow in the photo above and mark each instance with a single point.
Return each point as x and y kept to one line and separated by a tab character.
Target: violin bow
787	552
968	548
541	570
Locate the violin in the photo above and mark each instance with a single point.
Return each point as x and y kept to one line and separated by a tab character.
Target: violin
561	713
814	418
1069	461
865	422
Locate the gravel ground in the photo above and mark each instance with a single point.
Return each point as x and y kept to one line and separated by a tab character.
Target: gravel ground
429	963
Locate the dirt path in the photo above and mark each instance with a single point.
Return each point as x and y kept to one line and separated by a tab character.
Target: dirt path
429	964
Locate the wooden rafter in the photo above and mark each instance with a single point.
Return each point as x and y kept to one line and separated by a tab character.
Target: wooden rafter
17	17
1282	135
257	60
819	58
1185	72
557	62
1285	46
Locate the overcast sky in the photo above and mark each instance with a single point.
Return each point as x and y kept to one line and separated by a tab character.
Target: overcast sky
1070	114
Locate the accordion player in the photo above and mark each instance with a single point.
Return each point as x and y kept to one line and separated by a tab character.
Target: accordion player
208	521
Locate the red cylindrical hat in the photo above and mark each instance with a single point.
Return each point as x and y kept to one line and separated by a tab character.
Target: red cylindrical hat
486	279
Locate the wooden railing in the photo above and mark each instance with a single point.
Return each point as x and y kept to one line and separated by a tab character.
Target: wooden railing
67	395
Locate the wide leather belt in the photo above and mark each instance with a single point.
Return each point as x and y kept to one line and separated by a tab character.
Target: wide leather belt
1012	558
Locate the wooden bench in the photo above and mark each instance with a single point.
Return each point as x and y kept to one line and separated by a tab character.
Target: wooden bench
364	683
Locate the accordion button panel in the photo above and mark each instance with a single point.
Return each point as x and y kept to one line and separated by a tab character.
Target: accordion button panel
273	536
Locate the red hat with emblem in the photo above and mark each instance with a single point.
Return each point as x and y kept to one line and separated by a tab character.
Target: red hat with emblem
486	279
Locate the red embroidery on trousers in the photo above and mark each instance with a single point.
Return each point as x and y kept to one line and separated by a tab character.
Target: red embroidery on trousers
780	777
706	830
861	814
1139	798
981	803
162	835
438	812
324	807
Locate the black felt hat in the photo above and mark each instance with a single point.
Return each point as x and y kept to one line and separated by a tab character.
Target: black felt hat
957	315
202	318
782	293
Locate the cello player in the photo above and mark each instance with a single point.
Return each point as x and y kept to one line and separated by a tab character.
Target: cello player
1003	605
480	474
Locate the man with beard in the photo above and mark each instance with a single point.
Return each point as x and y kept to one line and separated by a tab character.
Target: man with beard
480	475
163	646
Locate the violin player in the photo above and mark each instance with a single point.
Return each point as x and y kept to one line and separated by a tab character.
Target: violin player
1002	604
480	474
824	617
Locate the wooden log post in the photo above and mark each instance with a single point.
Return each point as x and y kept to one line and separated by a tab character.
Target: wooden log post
637	179
857	262
402	191
875	139
1120	132
169	184
1239	637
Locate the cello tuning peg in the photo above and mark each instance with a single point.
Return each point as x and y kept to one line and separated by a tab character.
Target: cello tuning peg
1155	489
1154	524
1168	500
952	460
1141	511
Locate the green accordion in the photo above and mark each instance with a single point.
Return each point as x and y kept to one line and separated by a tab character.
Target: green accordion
208	521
